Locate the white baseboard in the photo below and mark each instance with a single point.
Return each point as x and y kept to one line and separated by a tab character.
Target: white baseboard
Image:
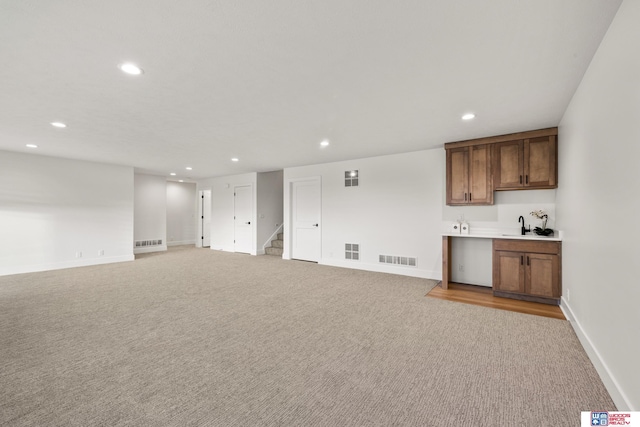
610	383
181	243
222	248
84	262
227	249
380	268
148	249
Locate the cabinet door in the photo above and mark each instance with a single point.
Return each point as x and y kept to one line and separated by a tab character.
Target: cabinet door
457	176
541	275
508	168
480	179
508	271
540	162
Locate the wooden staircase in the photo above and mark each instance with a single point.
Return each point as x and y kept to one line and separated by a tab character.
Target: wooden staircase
276	246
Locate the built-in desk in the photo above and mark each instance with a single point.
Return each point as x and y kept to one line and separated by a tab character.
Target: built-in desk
524	267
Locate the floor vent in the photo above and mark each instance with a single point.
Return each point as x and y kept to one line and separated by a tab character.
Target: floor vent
145	243
399	260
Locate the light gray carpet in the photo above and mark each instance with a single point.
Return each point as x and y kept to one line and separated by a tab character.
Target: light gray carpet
194	337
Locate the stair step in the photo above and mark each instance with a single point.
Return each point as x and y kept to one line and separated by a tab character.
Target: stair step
280	236
273	251
277	244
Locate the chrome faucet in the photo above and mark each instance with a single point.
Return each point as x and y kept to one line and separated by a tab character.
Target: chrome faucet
522	229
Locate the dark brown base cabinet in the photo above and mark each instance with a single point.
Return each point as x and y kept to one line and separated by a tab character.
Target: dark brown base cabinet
527	270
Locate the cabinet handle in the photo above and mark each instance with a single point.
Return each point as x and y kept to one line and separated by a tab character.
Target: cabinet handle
520	179
527	260
469	196
527	179
465	197
521	260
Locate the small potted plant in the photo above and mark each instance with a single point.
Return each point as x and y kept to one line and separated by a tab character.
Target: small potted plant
542	216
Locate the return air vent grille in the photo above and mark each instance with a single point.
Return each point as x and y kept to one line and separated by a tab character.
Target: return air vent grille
145	243
351	178
352	251
398	260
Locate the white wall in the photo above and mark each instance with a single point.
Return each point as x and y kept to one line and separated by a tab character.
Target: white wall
52	209
383	213
400	209
150	211
395	210
597	207
181	213
504	213
222	208
270	206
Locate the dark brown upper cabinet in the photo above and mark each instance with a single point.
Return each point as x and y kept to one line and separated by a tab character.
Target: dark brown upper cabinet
469	179
518	161
528	163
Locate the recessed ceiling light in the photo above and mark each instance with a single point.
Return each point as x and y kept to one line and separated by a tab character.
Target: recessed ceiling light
181	180
58	124
130	68
32	146
325	143
235	159
468	116
189	168
172	174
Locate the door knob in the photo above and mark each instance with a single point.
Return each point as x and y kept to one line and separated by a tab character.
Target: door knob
315	225
248	222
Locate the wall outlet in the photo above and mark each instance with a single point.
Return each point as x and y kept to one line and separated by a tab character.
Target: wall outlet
461	268
101	252
78	254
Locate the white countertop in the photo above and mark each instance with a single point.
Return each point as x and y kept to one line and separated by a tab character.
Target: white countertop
506	234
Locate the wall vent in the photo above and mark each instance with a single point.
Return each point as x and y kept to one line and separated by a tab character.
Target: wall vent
352	251
351	178
398	260
145	243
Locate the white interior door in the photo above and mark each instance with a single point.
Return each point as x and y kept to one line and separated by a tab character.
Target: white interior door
305	215
205	218
242	211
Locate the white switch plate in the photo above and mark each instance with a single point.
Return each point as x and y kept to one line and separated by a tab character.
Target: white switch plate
464	228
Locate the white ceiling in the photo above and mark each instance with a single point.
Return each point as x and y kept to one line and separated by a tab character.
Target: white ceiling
266	81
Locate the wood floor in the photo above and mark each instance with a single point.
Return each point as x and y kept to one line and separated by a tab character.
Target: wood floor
481	295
